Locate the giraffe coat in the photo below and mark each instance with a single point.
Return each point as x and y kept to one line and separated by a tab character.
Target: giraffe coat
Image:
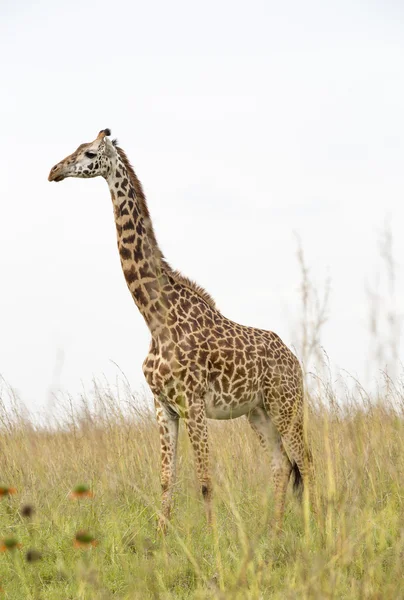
200	365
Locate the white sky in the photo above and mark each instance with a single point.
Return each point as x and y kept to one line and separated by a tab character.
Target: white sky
246	122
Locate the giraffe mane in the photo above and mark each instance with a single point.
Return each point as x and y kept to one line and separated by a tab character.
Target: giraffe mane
176	275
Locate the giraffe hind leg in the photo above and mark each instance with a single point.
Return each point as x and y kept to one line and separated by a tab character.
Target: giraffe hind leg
302	464
286	409
280	464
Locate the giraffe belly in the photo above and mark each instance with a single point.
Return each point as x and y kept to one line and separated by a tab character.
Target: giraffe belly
230	408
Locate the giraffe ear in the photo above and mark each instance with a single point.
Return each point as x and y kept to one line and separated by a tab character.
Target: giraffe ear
109	148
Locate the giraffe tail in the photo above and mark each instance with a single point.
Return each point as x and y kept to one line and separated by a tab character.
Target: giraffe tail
298	480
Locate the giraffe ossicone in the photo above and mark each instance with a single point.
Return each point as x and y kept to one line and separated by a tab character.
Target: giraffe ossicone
200	365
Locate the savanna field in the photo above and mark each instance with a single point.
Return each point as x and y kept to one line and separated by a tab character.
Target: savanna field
80	501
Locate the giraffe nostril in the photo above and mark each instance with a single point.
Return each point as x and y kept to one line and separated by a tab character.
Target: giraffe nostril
54	168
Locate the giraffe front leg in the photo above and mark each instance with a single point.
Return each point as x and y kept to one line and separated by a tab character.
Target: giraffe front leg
168	429
197	427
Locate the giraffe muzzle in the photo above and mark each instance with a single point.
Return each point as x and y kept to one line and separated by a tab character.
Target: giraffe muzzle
56	173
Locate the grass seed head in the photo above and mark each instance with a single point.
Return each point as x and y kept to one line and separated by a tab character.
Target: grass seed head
33	556
27	511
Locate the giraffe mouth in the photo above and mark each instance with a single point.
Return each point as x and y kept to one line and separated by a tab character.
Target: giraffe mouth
57	173
55	176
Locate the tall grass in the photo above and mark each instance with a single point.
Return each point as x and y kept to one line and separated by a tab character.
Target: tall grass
354	548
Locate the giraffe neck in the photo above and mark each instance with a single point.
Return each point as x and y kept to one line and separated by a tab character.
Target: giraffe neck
142	261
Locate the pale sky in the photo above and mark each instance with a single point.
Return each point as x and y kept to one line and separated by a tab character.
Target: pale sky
247	122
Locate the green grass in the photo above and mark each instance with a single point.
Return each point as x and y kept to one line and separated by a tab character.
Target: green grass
354	549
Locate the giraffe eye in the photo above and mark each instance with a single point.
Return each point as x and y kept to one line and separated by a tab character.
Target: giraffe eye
91	154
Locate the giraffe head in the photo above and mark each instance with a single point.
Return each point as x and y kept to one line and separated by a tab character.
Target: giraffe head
89	160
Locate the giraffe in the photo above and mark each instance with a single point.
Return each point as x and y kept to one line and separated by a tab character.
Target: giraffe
200	365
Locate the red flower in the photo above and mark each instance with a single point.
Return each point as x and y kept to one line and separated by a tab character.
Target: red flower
83	539
81	491
7	491
9	544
